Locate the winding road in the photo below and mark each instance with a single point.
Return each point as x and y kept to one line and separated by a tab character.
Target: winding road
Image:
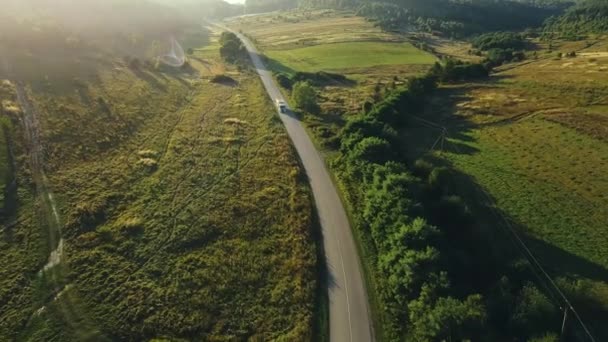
349	314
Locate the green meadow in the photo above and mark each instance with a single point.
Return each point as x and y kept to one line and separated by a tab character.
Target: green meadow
341	56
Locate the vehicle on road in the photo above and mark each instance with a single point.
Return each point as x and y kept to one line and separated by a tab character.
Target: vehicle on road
281	106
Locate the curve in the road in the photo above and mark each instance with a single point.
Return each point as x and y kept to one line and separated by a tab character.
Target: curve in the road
349	315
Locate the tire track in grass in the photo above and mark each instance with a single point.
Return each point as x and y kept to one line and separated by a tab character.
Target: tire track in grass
161	242
54	271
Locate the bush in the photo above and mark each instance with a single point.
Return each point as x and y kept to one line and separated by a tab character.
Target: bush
304	97
284	81
373	150
422	168
223	79
497	57
232	49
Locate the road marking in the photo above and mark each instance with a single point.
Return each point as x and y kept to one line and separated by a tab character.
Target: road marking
350	325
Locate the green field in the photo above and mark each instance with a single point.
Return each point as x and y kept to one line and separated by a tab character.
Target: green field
532	139
340	56
560	200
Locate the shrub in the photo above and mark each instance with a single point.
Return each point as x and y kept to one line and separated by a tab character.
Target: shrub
422	168
284	81
232	49
373	150
304	97
223	79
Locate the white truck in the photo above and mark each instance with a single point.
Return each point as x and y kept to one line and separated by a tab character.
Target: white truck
281	106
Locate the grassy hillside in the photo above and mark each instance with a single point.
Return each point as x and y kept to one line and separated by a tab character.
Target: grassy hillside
546	130
183	209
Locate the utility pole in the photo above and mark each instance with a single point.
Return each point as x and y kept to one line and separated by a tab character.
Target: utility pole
444	133
562	337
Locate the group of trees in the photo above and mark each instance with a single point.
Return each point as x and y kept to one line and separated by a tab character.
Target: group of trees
258	6
232	49
500	47
317	79
499	40
455	70
457	18
414	287
436	276
589	16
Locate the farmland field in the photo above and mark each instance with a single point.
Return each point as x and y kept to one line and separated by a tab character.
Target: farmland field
335	41
339	56
534	137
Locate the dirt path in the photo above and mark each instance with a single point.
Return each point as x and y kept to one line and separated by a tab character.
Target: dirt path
49	207
53	271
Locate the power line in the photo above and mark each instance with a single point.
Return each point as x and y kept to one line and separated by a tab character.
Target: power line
532	260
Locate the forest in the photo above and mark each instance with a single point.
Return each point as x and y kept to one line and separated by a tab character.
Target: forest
590	16
452	18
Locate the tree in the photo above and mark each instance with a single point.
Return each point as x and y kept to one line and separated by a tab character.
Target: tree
232	49
534	312
284	81
445	318
304	97
373	150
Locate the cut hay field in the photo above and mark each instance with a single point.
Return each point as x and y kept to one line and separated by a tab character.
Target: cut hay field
184	211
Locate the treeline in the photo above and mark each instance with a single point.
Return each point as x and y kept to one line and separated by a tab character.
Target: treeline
436	275
259	6
198	9
413	286
317	79
454	71
590	16
453	18
499	40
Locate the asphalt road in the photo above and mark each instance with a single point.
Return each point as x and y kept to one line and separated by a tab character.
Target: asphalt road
349	315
